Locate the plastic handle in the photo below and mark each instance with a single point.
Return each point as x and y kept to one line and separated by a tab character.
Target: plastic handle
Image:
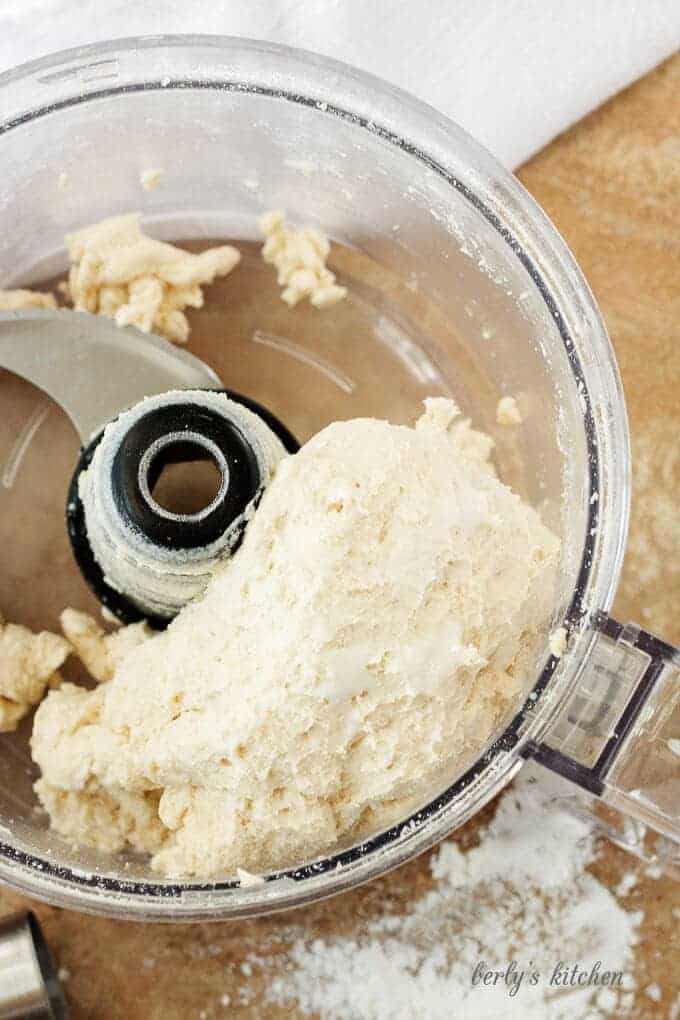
618	733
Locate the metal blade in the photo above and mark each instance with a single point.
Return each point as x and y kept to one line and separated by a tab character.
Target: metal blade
93	368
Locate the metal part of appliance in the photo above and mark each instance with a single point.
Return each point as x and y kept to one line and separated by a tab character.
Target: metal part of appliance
91	367
29	986
144	561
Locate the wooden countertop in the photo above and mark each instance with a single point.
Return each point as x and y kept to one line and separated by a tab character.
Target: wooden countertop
612	186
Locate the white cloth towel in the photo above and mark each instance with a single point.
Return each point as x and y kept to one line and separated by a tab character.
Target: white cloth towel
514	73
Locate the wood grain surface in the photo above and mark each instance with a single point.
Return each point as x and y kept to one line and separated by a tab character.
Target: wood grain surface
612	186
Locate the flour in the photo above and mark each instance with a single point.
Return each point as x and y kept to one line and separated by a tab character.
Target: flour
522	895
626	884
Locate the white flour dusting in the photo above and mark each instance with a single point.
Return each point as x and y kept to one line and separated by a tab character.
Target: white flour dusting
520	903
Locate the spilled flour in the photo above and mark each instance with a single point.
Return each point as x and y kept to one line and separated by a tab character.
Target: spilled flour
520	903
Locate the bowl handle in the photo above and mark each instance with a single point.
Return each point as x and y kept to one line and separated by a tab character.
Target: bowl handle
617	736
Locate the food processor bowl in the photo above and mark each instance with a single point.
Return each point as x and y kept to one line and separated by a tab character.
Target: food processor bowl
458	286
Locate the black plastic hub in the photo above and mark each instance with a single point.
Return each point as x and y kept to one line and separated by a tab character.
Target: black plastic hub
174	433
177	432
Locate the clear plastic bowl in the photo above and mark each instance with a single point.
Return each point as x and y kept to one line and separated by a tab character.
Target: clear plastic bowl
458	285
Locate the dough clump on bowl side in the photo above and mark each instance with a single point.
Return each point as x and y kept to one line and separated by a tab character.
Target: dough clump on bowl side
29	664
120	272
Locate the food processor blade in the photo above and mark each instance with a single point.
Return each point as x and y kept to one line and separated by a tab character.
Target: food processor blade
92	367
148	560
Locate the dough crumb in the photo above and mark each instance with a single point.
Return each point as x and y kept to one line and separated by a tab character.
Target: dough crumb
99	652
150	179
558	642
19	300
120	272
62	181
299	257
248	880
507	412
29	663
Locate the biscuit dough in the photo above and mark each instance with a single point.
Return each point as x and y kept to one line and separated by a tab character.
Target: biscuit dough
299	257
118	271
28	664
558	642
99	652
372	631
150	179
507	412
19	300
